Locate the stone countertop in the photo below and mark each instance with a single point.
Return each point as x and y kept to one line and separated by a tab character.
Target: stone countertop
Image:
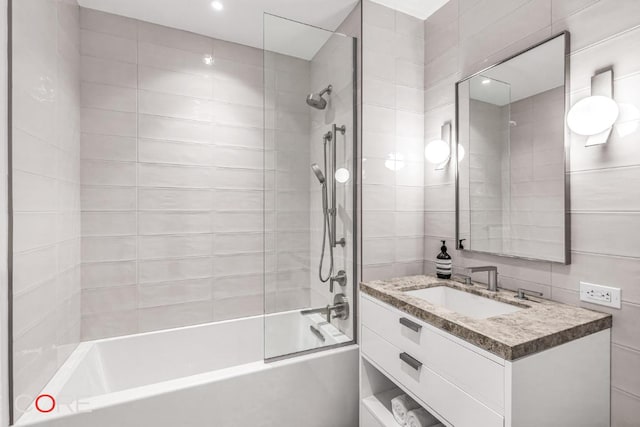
542	324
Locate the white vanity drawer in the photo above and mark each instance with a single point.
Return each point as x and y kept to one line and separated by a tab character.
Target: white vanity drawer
456	406
472	371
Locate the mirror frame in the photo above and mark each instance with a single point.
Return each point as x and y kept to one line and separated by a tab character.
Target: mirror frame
567	144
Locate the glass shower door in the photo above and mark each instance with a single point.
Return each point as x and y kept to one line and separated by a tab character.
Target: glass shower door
310	84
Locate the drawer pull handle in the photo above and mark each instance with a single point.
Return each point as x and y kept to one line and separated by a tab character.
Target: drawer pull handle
415	364
409	324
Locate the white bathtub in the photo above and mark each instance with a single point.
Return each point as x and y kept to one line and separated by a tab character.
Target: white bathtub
207	375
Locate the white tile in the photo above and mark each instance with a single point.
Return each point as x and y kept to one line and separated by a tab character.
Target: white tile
227	222
104	274
617	238
378	224
154	223
109	299
155	247
179	153
171	82
166	58
106	122
108	223
238	115
378	198
105	46
238	92
378	15
163	294
242	179
107	198
409	198
98	172
170	37
108	97
175	106
109	72
230	265
33	155
164	128
107	147
105	325
175	269
603	19
108	248
33	268
34	193
239	158
238	200
102	22
238	136
379	251
175	199
32	230
150	175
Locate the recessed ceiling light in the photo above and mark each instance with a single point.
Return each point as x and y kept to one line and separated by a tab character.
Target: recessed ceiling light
486	81
217	5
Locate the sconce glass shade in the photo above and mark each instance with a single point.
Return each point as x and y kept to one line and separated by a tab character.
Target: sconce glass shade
437	152
342	175
593	115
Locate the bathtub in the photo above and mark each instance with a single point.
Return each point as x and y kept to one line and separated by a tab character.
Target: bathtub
206	375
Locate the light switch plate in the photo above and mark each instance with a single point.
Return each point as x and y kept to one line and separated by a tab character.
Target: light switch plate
598	294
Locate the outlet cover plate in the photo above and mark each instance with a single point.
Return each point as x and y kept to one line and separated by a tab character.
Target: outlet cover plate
601	295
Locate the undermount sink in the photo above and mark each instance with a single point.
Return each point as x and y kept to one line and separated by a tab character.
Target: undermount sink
464	303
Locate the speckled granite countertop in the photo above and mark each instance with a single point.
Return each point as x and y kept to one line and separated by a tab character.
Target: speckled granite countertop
541	324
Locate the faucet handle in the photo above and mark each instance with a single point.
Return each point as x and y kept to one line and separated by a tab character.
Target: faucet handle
522	293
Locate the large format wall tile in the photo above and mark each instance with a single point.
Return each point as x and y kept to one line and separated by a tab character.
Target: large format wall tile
173	177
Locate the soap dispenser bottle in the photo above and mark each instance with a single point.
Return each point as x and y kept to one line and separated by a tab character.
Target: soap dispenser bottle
443	263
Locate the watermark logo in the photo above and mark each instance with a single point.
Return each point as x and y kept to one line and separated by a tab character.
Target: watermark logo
47	404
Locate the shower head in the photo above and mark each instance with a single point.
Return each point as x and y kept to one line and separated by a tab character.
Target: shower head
318	173
316	100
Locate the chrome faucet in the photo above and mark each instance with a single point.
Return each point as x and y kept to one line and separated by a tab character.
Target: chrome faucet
340	307
493	275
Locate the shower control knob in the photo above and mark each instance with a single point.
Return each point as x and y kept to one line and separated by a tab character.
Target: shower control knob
340	278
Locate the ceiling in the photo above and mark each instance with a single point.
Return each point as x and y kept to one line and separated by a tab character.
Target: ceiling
240	21
419	8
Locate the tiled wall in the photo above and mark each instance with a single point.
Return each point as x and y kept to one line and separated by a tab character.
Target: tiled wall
172	174
46	190
536	204
393	143
287	195
333	64
466	36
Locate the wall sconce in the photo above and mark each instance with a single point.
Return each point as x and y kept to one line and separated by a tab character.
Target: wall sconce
438	151
595	115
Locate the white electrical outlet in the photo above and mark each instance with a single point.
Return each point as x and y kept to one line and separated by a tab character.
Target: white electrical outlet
598	294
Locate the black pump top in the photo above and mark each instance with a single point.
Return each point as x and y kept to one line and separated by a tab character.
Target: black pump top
443	251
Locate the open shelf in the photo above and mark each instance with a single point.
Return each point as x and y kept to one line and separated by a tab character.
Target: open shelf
379	406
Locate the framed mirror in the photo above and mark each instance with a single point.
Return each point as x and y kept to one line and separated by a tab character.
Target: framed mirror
511	188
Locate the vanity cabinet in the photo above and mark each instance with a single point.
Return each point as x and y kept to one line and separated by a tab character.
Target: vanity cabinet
466	386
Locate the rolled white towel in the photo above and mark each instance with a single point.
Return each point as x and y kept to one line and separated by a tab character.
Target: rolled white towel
400	406
421	418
